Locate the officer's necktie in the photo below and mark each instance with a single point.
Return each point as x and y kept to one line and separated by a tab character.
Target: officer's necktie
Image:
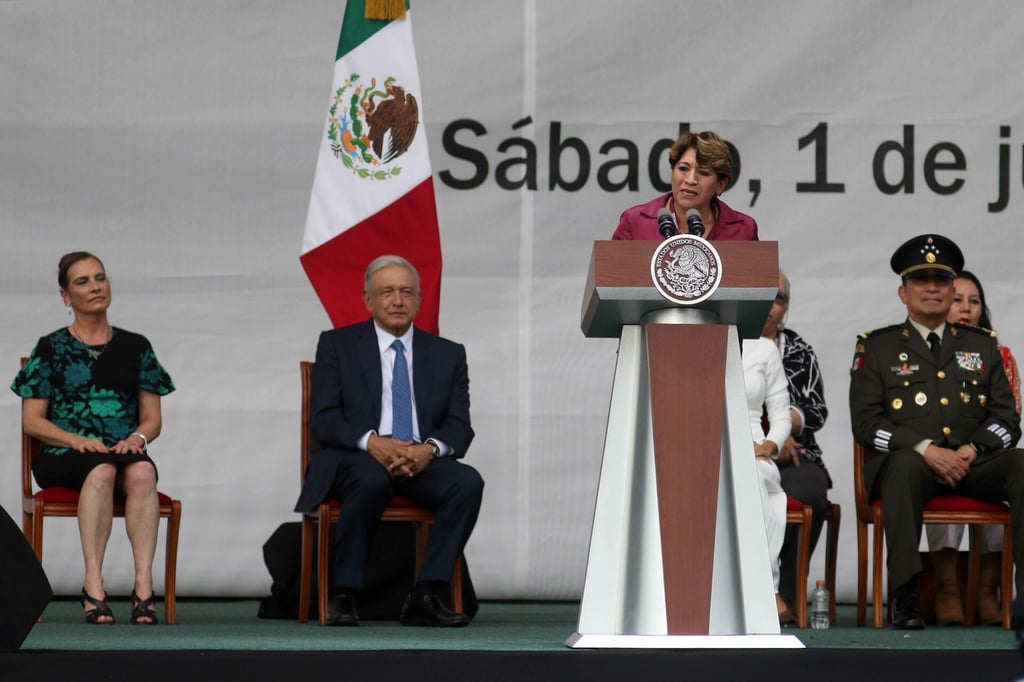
401	397
933	341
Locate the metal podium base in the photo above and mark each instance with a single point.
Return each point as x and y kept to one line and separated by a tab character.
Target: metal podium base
626	601
578	641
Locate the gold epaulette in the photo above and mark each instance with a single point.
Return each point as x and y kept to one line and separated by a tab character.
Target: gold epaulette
977	330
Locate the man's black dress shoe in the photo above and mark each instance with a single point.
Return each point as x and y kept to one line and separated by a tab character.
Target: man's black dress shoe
429	610
905	614
342	611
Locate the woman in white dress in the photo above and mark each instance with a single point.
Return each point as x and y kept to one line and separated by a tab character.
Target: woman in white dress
768	395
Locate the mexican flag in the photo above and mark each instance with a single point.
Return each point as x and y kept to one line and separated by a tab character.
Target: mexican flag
372	192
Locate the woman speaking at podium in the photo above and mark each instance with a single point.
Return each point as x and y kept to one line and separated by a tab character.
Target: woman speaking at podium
701	170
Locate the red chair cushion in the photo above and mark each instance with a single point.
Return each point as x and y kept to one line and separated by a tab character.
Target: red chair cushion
957	503
59	495
397	502
962	503
793	504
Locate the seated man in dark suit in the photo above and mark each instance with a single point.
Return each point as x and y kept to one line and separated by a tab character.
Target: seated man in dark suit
932	401
389	414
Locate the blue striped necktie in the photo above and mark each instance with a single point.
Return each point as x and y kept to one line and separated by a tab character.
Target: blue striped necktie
401	397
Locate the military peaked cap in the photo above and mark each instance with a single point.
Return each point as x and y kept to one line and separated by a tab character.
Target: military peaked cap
927	255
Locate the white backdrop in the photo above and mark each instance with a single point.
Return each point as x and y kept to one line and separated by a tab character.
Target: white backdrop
178	142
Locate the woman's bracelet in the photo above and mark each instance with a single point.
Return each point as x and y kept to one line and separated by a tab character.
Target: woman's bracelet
145	441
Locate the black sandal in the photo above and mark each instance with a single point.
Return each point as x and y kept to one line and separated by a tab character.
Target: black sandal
143	608
101	609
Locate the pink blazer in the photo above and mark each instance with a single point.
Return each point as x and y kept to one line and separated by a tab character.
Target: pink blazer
641	222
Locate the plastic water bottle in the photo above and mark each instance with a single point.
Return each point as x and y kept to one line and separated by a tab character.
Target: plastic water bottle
819	607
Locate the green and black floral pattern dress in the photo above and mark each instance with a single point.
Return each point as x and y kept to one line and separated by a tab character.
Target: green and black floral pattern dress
94	392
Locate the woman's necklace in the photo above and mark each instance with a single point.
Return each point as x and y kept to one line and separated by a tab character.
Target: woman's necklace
710	224
92	351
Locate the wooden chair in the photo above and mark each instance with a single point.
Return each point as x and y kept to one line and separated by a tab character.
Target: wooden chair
802	515
956	509
400	509
59	501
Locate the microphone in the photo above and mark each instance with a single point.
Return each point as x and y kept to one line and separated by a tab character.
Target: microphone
666	225
694	222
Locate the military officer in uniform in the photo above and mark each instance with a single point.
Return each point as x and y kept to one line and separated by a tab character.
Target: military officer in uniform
931	400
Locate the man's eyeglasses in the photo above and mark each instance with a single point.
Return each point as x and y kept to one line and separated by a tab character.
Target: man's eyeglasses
781	297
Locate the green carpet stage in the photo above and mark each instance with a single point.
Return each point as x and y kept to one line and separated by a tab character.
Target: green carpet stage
508	641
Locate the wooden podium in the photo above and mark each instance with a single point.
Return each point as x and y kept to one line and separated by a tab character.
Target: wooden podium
678	555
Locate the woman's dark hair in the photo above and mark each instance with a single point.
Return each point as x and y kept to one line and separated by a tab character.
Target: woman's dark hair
986	315
712	152
69	259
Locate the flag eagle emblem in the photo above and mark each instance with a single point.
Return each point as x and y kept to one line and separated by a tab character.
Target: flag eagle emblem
369	127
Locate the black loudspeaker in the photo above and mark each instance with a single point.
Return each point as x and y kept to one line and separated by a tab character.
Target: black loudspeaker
24	589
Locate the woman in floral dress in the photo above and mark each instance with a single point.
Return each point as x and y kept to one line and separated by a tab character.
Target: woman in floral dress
91	395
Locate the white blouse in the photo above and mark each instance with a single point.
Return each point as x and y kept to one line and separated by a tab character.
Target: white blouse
766	385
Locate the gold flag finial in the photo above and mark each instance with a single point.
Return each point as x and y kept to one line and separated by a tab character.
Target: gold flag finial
385	9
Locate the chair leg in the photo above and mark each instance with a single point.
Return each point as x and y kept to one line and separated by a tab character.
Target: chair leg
973	575
34	535
876	579
1006	586
422	535
862	572
457	586
832	517
803	566
323	551
306	569
37	533
170	570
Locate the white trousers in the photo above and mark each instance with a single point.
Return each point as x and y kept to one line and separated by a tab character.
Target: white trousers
773	505
943	535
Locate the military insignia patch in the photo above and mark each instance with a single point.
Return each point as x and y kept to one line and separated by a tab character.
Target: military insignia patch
971	362
904	369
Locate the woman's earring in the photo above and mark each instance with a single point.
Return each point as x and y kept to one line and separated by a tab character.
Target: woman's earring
68	308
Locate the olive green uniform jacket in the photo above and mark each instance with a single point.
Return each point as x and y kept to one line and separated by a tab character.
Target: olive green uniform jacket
900	395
